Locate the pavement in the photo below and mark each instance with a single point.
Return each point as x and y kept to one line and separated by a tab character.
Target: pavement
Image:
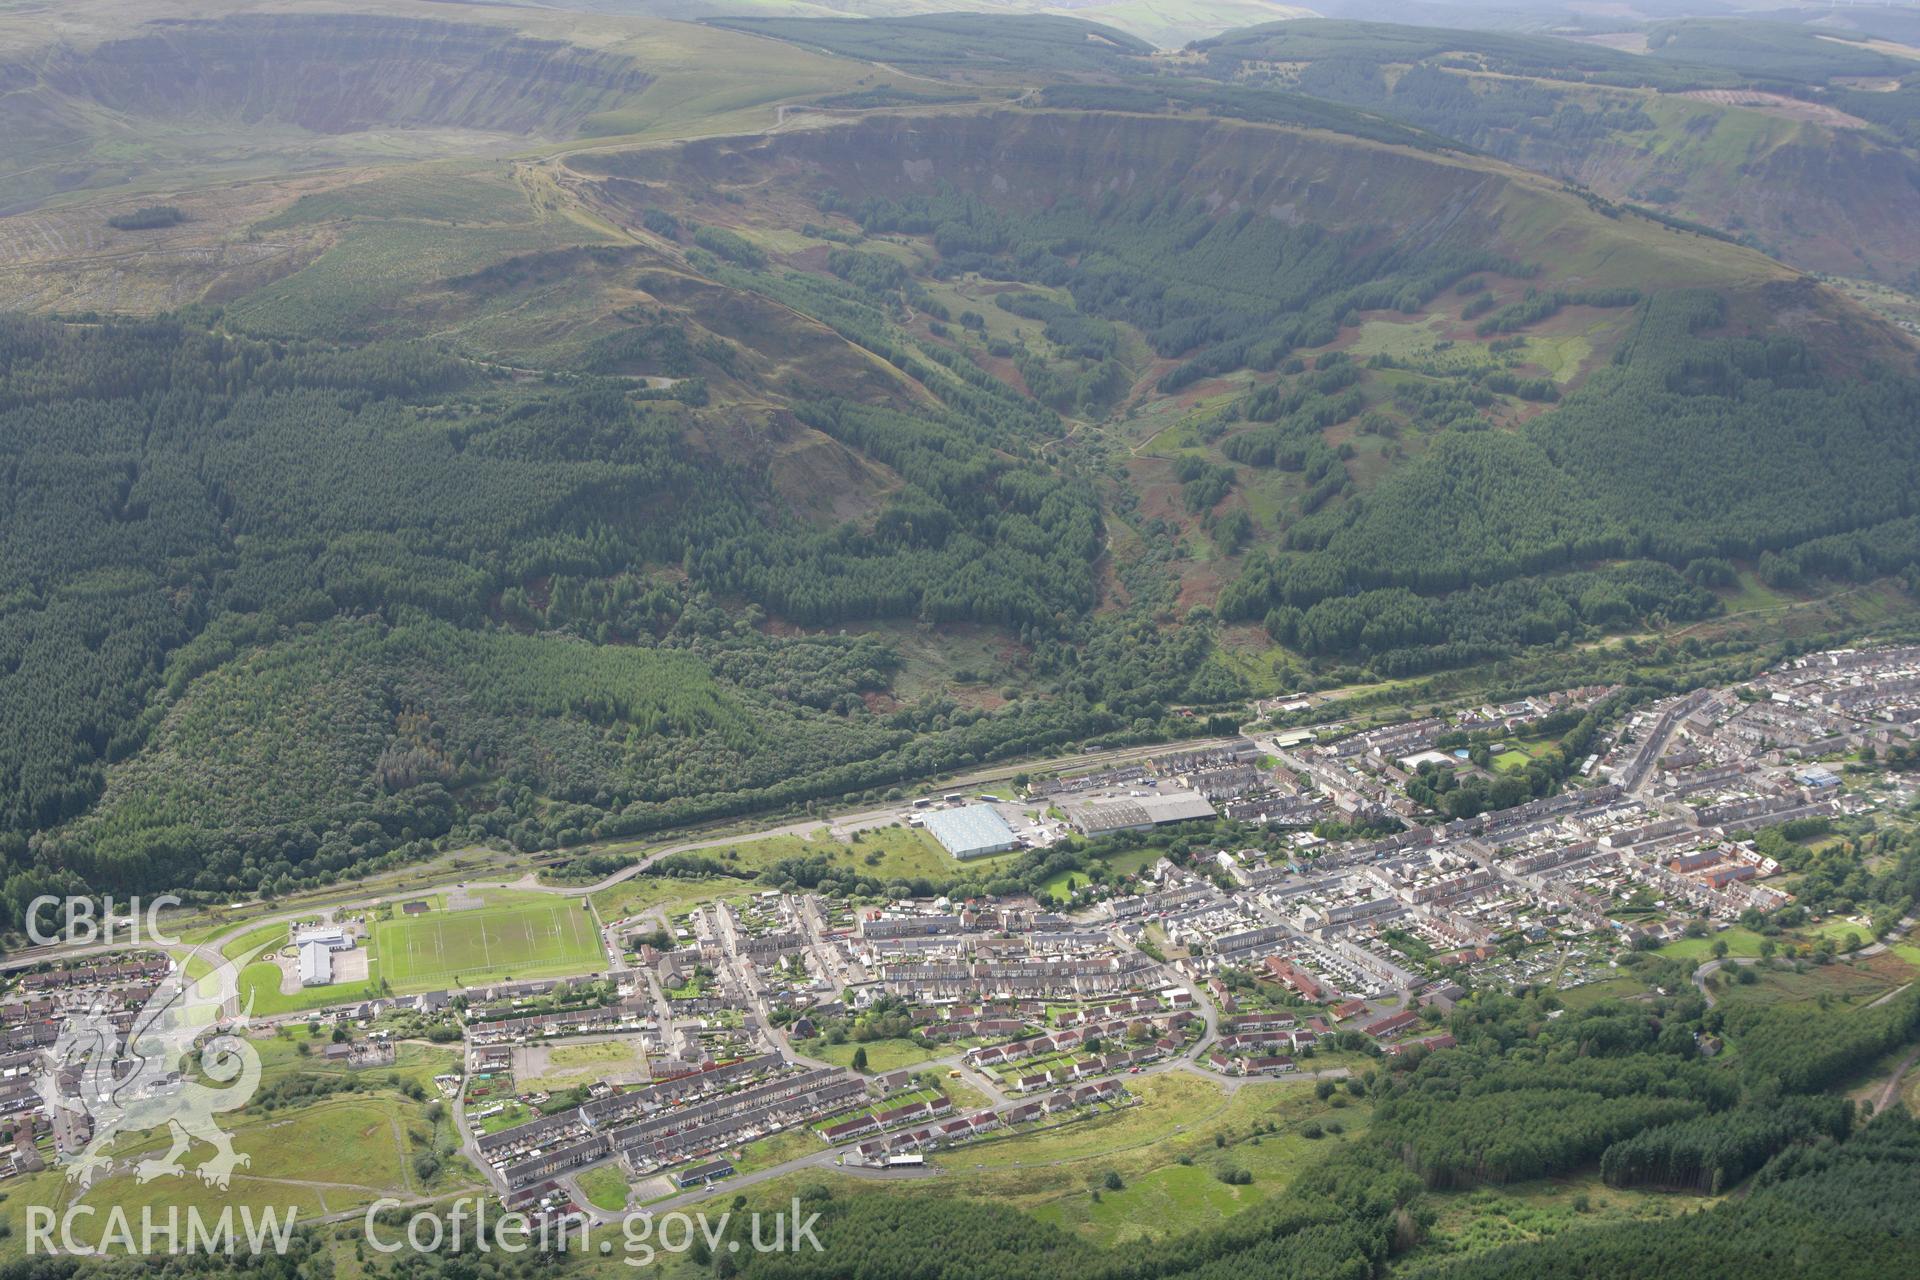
865	819
209	953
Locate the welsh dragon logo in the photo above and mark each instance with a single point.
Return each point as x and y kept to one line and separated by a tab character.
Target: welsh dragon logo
185	1060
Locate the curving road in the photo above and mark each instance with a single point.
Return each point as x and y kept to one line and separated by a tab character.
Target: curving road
1900	929
865	819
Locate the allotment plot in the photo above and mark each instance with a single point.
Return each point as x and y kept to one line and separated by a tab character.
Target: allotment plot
439	948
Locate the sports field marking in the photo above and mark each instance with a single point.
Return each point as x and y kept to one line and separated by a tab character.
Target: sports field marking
525	940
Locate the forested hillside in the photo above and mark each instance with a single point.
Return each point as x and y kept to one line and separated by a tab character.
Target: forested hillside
266	605
546	500
455	441
1685	451
1693	445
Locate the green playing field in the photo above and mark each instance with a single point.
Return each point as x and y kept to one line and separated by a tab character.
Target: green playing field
488	944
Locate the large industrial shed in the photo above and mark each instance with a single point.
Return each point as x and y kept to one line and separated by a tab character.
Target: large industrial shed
1104	817
972	832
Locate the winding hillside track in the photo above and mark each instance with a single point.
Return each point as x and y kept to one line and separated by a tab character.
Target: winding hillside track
1711	967
1891	1089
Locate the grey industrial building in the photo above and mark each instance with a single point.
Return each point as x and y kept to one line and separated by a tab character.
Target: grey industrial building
972	832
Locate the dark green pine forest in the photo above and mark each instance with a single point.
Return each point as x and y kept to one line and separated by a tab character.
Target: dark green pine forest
467	440
825	476
181	496
533	611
